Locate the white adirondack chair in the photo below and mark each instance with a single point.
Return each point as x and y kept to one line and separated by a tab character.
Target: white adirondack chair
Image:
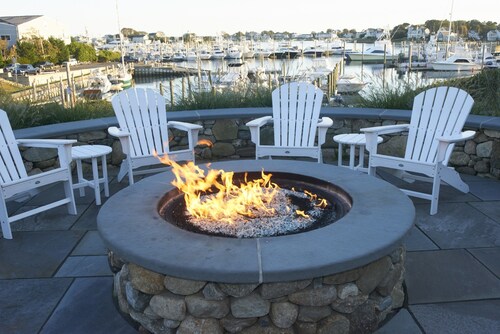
437	119
14	181
296	108
142	117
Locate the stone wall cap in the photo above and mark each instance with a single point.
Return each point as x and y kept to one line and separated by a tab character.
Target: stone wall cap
62	129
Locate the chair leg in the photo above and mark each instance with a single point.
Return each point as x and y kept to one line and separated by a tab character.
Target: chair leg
436	183
68	191
452	178
4	217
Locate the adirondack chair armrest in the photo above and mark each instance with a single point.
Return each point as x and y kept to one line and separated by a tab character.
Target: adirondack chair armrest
386	129
191	129
255	125
63	147
323	125
372	134
114	131
124	137
259	122
444	142
184	126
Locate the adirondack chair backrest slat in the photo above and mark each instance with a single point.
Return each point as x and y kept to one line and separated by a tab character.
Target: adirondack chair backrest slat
11	164
142	113
296	109
436	112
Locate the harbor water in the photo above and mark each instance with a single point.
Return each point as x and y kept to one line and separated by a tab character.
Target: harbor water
376	75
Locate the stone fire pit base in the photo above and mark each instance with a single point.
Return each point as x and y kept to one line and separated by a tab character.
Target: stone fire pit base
354	301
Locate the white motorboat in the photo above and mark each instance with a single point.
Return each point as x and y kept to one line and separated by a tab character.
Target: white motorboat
235	78
314	51
204	55
191	56
218	53
98	86
380	51
349	84
233	53
456	63
178	56
262	53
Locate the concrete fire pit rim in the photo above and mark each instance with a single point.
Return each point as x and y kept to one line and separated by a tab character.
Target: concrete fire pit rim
380	217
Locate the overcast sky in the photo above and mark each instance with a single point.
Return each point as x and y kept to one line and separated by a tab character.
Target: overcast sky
211	17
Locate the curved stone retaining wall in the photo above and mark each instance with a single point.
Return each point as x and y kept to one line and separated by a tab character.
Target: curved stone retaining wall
354	301
226	129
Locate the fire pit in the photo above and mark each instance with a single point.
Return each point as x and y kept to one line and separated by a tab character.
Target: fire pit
345	275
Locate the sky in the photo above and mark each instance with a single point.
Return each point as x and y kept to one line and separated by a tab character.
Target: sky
96	18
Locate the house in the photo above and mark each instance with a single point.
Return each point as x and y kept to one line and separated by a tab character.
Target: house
493	35
370	33
473	35
140	38
442	36
417	32
14	28
326	35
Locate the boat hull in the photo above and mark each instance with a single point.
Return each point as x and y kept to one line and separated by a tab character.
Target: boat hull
369	57
443	66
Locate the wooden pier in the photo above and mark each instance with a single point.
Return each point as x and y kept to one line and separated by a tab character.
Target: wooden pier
165	70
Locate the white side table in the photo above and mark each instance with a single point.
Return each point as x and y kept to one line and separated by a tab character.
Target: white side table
78	153
353	140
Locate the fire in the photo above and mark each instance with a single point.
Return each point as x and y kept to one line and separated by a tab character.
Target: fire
228	200
214	196
205	142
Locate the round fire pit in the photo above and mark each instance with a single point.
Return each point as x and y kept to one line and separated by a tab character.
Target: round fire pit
345	275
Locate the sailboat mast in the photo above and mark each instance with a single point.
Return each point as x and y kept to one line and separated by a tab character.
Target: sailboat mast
120	34
449	31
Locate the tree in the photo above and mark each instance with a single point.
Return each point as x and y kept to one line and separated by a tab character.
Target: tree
433	25
106	56
83	52
59	51
26	52
400	31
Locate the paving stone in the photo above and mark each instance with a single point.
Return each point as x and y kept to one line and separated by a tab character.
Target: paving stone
464	317
416	240
91	244
490	209
56	219
84	266
26	304
402	322
490	257
88	219
458	225
486	189
86	308
35	254
448	275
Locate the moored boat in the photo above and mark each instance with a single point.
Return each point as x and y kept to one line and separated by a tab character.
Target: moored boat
456	63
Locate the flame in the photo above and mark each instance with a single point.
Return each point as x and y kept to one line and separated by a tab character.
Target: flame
227	201
205	142
301	213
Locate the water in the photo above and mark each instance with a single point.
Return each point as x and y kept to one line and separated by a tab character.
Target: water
376	75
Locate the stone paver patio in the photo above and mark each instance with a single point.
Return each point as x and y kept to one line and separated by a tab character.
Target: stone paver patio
54	275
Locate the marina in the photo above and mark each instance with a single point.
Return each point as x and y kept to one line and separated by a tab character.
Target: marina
340	68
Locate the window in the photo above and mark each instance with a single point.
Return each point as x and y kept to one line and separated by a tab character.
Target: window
5	37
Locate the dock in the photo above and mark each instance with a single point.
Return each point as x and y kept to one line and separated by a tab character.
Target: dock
172	70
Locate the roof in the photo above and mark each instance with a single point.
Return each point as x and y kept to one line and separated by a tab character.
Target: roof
18	20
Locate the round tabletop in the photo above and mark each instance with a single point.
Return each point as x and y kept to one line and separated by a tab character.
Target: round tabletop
89	151
353	139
